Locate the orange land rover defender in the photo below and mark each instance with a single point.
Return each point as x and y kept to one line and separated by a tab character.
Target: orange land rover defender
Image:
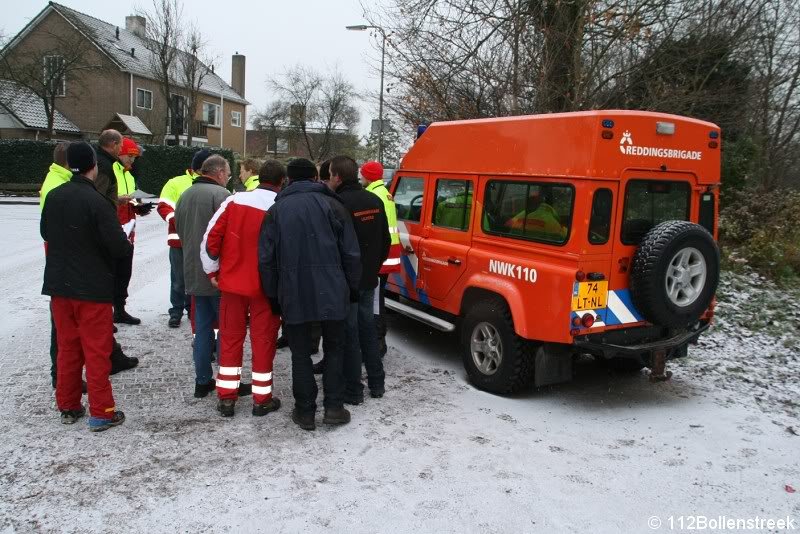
543	237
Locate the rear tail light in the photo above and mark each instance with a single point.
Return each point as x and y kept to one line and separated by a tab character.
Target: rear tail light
576	321
587	320
580	276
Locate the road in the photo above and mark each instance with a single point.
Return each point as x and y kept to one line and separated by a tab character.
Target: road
604	453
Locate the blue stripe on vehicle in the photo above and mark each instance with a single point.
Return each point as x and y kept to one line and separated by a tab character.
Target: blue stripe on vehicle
612	319
624	295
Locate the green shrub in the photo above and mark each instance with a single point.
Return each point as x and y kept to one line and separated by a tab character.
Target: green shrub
26	161
762	229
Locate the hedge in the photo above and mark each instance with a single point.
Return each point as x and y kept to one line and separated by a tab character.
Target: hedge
25	161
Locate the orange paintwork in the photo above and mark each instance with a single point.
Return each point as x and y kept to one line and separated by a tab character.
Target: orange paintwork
441	265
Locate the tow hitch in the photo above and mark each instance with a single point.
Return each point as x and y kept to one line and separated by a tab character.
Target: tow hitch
658	371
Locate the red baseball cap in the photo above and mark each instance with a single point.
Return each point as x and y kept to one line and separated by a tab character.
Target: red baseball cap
372	171
129	147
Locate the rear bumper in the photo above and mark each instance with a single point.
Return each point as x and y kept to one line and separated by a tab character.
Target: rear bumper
598	344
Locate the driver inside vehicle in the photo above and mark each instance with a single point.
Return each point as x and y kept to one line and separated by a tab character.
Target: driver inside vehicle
541	222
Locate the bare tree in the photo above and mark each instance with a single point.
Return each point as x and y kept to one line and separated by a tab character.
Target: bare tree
52	66
273	120
164	37
776	114
321	113
193	71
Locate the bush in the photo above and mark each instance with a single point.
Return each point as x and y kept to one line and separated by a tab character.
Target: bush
762	229
26	161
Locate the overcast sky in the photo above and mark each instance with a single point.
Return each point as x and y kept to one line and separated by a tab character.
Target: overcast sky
273	34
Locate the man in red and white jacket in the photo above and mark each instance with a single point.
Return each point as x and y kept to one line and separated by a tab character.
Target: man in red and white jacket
230	259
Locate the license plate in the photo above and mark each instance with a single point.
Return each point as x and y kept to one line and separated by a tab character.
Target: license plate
589	295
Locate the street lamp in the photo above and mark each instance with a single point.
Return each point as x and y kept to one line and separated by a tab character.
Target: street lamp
361	28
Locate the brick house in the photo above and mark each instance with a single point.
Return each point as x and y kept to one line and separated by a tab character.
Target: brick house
125	93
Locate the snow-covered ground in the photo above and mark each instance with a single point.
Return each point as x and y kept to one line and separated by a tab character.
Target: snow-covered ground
604	453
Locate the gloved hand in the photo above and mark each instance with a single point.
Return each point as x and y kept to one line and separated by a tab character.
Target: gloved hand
143	209
276	306
354	296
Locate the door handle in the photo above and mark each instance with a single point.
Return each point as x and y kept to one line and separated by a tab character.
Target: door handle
453	261
409	250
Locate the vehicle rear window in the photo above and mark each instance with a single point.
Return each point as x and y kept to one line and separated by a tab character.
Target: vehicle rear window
651	202
453	204
408	198
528	210
600	221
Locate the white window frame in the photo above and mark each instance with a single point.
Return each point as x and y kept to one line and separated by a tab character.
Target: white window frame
45	60
216	122
144	92
238	116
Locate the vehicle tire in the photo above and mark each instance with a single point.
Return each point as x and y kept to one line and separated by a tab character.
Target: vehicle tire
675	273
495	357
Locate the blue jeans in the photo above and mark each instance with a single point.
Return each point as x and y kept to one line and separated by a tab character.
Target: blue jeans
177	293
206	313
361	345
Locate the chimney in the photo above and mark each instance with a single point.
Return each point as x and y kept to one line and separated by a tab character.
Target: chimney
237	73
136	25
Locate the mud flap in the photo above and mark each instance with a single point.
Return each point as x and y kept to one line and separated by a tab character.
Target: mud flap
552	365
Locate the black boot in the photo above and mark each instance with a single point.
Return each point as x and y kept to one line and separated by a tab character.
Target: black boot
336	416
174	322
226	407
304	420
121	316
282	342
119	361
267	407
202	390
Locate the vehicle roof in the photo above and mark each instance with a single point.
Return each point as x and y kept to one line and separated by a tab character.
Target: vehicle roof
567	144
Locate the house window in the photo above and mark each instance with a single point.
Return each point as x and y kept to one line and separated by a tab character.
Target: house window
211	114
236	119
54	75
144	99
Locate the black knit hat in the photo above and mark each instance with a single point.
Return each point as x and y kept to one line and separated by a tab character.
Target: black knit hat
199	157
301	169
81	157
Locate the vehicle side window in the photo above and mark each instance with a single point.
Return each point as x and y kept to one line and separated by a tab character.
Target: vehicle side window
707	211
649	203
453	204
528	210
600	220
408	197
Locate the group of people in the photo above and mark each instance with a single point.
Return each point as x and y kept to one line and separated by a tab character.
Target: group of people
304	250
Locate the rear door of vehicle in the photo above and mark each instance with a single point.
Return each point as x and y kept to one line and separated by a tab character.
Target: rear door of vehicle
597	198
646	199
448	220
409	195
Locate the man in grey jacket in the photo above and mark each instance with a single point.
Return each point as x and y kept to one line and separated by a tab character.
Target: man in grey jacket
193	212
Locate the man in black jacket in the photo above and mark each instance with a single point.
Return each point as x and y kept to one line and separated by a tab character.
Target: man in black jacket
84	239
310	269
369	220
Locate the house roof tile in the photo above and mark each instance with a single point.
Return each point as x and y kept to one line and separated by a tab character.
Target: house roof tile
140	63
29	109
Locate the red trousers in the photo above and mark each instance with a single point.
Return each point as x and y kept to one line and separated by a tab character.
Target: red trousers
85	337
233	312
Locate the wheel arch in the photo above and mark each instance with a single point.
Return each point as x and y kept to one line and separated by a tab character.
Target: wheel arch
480	287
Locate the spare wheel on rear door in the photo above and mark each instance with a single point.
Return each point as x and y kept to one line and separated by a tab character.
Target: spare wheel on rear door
675	273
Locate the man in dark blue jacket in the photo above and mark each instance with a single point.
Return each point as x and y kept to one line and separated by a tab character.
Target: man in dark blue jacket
310	271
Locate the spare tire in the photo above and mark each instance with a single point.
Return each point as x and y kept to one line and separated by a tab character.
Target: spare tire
675	273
